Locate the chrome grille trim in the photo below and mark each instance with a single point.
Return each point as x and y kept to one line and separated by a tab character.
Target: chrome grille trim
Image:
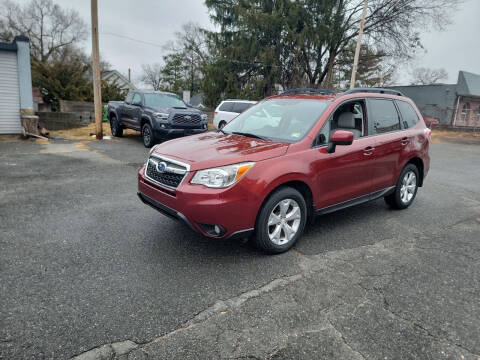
175	167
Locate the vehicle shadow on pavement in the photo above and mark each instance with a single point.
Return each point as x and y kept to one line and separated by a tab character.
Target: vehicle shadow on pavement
348	228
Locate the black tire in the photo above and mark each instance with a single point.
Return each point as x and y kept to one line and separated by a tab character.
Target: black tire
115	127
222	124
262	238
147	135
399	199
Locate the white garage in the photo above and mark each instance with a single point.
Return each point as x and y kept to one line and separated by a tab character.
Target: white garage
9	94
15	85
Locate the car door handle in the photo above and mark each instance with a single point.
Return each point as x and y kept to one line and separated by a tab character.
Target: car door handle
405	141
368	150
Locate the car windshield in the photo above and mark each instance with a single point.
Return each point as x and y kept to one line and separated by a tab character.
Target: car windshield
278	119
163	101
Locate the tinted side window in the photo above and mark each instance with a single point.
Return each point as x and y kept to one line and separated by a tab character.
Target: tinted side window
226	106
409	116
240	107
129	97
384	115
137	99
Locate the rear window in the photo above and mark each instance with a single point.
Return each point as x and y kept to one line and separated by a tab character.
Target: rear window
226	106
240	107
384	115
409	115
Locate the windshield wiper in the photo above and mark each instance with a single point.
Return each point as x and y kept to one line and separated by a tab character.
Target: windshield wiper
249	135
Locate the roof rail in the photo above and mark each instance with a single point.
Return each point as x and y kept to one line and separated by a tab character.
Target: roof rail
308	91
374	90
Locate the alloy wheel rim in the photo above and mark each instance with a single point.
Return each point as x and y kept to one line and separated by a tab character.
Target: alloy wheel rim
146	135
284	221
409	184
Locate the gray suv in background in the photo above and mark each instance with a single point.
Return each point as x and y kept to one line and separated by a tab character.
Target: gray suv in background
158	115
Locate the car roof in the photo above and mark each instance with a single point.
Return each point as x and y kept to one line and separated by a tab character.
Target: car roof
154	92
240	100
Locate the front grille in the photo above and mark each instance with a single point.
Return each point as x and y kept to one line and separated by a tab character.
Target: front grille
171	177
186	119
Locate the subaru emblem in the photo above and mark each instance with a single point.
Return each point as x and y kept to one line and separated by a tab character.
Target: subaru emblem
161	167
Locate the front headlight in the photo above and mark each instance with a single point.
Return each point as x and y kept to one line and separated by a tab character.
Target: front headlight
161	116
204	117
223	176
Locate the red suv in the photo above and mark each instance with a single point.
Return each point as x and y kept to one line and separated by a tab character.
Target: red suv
287	159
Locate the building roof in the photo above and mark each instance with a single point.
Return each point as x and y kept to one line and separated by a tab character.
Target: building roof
8	46
108	74
468	84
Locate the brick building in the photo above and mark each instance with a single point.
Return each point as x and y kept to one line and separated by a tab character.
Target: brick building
452	104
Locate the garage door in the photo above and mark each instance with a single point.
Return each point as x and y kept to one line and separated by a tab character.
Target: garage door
9	94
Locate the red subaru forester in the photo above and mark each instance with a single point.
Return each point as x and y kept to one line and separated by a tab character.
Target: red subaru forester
287	159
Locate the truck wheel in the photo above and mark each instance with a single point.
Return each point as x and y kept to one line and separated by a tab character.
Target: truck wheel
406	188
147	135
281	221
115	127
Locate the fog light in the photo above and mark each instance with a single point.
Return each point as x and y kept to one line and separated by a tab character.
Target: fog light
213	230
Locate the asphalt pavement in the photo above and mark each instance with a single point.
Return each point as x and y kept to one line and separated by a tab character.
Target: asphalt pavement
87	270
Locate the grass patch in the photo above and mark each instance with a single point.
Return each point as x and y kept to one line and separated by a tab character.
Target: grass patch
86	132
459	136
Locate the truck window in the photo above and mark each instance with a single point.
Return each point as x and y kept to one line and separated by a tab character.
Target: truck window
137	99
129	97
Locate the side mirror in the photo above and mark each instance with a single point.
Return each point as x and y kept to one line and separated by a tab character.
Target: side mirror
339	137
136	103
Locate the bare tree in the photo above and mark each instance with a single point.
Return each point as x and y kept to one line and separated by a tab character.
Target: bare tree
152	75
49	27
424	76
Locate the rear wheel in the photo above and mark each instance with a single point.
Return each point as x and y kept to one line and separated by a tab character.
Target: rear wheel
406	188
147	135
115	127
222	124
281	221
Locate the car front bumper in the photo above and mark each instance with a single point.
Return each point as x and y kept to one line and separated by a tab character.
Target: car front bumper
233	209
168	132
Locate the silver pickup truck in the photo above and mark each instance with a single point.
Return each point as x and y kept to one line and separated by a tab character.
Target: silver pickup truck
158	115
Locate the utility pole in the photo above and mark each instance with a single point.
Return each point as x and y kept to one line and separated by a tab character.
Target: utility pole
97	83
129	75
359	44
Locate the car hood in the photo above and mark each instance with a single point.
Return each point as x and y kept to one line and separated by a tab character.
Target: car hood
172	110
214	149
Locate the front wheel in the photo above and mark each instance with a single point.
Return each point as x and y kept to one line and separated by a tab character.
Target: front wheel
406	188
281	221
147	135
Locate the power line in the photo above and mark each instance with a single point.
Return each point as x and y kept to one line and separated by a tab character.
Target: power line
133	39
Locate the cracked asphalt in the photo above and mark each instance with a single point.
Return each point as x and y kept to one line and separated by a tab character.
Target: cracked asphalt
88	271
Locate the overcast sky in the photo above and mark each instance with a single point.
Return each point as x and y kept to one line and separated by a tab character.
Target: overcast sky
156	21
